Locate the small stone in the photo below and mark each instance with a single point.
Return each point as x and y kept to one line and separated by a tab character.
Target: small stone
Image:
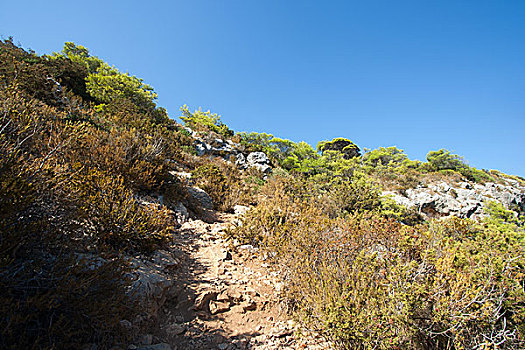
246	247
249	305
176	329
225	256
204	298
222	346
217	307
223	296
126	324
251	292
281	333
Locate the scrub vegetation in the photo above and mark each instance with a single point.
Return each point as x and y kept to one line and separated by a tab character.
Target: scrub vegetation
82	142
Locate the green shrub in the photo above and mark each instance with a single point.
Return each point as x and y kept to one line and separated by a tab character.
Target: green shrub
205	121
345	146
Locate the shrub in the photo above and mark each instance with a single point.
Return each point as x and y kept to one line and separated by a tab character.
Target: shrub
114	216
369	282
205	121
224	183
443	159
345	146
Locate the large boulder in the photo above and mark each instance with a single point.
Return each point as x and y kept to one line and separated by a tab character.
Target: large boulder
201	197
257	160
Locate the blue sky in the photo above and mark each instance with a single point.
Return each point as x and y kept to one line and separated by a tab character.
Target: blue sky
421	75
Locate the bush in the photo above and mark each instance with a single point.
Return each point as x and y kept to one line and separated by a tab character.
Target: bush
205	121
345	146
370	282
69	181
224	183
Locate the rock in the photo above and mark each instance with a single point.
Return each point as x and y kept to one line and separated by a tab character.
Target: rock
234	295
281	332
126	324
165	260
223	297
240	161
260	161
146	339
160	346
240	209
257	158
176	329
222	346
181	212
249	305
225	256
464	200
251	292
201	197
211	146
150	286
204	298
217	307
247	247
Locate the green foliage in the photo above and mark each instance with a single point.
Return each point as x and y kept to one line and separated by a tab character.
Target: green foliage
443	160
108	84
391	157
286	154
345	146
105	84
205	121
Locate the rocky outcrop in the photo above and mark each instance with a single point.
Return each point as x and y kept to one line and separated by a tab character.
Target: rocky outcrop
464	200
257	160
216	147
213	146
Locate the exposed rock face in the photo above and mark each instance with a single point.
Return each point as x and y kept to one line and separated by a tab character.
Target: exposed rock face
152	283
212	145
258	160
216	147
465	200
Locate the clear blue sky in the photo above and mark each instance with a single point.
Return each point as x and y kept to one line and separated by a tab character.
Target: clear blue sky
421	75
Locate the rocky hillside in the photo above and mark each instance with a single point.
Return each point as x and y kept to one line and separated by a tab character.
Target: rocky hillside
122	229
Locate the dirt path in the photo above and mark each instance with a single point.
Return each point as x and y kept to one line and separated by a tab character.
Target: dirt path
228	299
